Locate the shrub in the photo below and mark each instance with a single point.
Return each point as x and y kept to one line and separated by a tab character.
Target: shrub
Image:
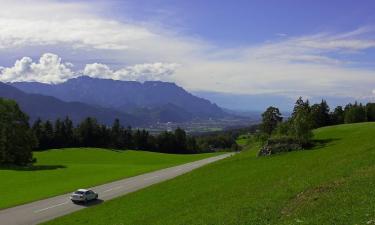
278	145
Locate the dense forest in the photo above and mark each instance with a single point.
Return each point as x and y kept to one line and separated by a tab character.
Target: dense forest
18	139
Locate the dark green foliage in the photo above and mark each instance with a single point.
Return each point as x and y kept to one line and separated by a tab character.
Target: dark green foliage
355	113
370	111
338	115
305	118
296	132
302	124
216	142
270	118
16	138
89	133
320	114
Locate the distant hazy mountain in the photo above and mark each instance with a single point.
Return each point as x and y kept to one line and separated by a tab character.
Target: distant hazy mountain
260	102
46	107
155	100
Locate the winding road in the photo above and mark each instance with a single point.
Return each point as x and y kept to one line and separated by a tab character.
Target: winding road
47	209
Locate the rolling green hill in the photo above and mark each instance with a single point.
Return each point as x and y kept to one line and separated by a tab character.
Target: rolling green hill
62	171
331	184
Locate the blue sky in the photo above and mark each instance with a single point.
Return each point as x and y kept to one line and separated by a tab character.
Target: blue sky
241	22
248	48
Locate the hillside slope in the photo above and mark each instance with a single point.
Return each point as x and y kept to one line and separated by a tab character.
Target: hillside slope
331	184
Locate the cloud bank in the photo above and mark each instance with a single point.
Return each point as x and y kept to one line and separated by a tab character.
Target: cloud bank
51	69
140	72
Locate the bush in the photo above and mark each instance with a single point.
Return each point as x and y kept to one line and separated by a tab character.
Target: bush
278	145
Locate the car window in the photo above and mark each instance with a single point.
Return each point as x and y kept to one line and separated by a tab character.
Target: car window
79	192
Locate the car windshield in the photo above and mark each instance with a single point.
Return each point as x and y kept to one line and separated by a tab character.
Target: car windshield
79	192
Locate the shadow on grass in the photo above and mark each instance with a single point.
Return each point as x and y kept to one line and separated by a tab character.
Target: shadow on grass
32	168
321	143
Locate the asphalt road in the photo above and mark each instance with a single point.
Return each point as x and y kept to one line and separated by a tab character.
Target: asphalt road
47	209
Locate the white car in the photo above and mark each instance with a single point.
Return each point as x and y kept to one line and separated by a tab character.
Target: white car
83	195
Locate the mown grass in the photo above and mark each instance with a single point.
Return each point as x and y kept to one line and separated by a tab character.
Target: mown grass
333	184
62	171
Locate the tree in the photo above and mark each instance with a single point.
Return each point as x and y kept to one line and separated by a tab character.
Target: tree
37	129
16	138
69	132
370	111
320	114
270	118
88	133
300	104
59	134
117	135
283	128
166	142
180	140
47	141
302	126
355	113
338	115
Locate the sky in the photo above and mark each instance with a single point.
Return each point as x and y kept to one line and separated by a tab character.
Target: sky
289	48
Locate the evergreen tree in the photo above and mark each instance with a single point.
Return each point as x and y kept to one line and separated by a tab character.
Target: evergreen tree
69	133
88	133
270	118
370	111
37	129
338	115
355	113
48	135
117	135
180	140
320	114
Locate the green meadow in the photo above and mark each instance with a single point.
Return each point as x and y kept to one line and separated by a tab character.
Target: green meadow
334	183
61	171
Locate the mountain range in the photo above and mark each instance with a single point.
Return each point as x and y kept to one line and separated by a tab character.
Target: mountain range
134	102
51	108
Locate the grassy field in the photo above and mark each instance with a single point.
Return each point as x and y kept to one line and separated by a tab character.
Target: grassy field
333	184
62	171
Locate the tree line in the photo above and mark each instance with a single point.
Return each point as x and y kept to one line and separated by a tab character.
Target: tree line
296	131
89	133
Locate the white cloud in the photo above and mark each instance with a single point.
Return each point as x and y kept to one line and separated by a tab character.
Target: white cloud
49	69
139	72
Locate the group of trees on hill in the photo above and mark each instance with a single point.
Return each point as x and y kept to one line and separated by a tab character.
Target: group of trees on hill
297	129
